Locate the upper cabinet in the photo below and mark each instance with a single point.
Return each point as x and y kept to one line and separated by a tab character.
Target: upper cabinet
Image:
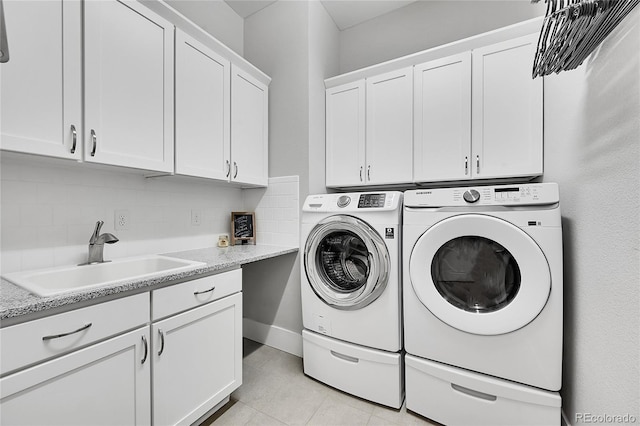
94	81
442	121
203	110
478	114
468	110
249	129
507	117
128	86
369	131
41	102
345	134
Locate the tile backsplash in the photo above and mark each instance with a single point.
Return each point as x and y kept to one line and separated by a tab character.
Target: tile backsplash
49	210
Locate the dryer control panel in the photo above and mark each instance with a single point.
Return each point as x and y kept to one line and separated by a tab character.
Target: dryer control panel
503	195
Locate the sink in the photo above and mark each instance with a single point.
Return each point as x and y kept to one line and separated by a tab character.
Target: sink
66	279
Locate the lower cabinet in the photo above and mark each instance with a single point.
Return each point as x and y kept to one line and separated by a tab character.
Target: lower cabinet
103	384
197	360
128	361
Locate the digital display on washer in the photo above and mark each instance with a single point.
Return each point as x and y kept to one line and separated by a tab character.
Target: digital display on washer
513	189
371	200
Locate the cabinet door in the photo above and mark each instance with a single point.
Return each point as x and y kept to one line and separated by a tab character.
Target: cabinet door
128	86
345	135
41	84
203	107
104	384
197	358
507	110
249	129
442	119
390	128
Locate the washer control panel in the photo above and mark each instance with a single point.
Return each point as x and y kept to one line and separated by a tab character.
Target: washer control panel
503	195
367	201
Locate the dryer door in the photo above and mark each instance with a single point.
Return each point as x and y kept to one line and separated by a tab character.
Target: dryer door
480	274
346	261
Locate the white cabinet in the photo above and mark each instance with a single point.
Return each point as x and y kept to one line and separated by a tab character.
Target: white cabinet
389	118
197	354
345	134
63	377
221	117
478	114
104	384
369	135
203	109
507	129
442	124
41	102
128	86
249	129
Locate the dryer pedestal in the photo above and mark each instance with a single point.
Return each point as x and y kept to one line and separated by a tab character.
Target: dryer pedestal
454	396
367	373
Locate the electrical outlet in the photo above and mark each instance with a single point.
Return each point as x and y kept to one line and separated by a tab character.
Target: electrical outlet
121	220
196	217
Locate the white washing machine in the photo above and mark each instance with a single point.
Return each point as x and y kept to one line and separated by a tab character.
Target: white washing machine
483	304
351	293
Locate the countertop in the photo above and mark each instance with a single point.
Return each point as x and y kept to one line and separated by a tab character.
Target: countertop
17	304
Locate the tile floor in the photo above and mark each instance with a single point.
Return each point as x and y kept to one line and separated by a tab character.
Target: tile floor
275	391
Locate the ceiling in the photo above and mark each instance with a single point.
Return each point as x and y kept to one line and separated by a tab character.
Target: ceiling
345	13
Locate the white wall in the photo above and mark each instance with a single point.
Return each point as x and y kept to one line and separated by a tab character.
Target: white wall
592	130
296	44
49	209
217	18
425	24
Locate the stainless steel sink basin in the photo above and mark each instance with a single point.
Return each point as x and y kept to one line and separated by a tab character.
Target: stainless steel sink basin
55	281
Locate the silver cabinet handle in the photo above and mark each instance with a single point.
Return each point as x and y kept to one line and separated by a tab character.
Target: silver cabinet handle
345	357
474	393
360	173
161	341
204	291
369	173
235	168
94	141
74	139
228	168
478	164
57	336
146	349
466	166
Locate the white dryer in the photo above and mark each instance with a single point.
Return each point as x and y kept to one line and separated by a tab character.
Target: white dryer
351	293
483	304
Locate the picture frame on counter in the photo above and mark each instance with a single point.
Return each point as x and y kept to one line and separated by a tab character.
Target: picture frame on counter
243	228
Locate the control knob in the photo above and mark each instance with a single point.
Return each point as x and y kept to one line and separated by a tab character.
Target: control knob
343	201
471	196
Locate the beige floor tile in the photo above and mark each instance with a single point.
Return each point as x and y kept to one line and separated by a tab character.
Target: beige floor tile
337	413
233	413
401	416
379	421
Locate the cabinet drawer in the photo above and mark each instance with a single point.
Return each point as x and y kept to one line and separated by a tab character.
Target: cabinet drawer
180	297
33	341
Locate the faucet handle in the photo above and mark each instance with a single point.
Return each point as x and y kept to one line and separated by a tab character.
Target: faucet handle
96	232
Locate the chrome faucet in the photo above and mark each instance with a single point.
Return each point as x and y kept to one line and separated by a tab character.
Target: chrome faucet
96	244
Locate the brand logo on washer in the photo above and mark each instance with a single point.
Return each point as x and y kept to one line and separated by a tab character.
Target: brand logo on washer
389	233
424	193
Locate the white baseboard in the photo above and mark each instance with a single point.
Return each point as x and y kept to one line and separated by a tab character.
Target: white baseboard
565	419
274	336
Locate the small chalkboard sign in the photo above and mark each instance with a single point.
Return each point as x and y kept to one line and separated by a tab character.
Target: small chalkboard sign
243	227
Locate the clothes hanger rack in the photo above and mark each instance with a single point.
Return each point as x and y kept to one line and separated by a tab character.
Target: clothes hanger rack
572	29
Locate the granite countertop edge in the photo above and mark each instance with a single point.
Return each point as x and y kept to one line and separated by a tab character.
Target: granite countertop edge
16	302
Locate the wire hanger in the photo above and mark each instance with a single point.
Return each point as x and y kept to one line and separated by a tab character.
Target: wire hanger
573	29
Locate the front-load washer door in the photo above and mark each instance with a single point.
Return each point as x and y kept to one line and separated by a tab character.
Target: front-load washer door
480	274
346	261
